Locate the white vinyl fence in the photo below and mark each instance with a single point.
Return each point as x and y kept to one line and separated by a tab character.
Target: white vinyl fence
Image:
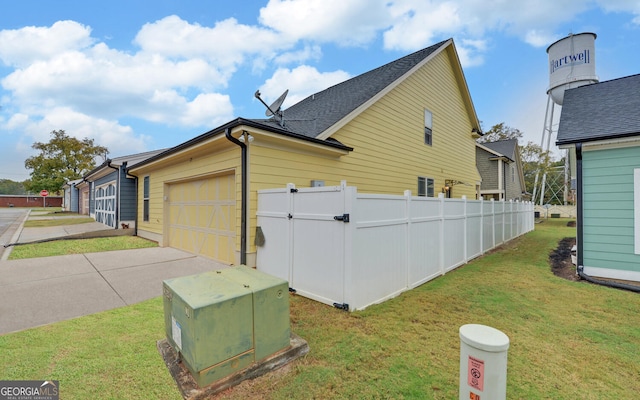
351	250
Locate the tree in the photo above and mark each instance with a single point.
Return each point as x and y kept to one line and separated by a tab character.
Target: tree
8	186
535	161
500	132
62	159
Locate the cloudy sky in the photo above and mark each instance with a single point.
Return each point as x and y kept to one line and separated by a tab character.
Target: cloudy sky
143	75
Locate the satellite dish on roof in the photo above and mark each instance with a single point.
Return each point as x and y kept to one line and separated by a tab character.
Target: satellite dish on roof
274	108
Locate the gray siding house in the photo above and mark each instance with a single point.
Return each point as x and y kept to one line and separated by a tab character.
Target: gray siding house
71	202
500	167
600	126
112	193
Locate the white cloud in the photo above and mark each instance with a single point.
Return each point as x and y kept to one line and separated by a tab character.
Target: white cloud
417	23
226	44
21	47
301	82
305	54
539	39
346	23
210	109
117	138
109	84
470	52
630	6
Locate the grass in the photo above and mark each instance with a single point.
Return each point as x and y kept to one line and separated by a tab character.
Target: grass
568	339
79	246
40	223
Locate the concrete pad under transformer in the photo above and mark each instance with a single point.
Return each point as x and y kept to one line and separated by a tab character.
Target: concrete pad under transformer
190	389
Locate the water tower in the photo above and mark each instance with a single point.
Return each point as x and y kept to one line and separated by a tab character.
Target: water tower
572	63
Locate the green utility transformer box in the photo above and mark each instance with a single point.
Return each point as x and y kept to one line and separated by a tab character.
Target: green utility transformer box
221	322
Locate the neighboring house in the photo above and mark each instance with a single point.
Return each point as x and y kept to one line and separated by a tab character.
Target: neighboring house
409	124
600	125
500	167
110	193
71	196
83	197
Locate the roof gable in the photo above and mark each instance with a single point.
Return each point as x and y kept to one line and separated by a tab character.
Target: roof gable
505	148
109	165
322	113
601	111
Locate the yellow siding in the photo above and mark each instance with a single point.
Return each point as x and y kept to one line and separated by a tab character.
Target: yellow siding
220	157
388	140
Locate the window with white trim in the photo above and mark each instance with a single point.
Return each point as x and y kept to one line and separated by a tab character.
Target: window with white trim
425	187
428	127
145	199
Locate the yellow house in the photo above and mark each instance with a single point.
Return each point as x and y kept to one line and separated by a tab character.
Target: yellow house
409	124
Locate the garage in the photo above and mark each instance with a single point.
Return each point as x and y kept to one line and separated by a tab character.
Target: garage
201	217
105	211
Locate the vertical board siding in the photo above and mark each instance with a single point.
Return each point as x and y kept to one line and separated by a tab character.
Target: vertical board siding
390	245
608	198
128	198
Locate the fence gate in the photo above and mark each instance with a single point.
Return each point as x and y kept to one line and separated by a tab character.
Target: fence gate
310	225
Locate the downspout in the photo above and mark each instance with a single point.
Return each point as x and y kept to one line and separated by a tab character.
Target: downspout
580	234
135	178
117	191
243	216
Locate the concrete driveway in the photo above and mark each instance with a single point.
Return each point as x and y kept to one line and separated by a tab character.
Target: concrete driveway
40	291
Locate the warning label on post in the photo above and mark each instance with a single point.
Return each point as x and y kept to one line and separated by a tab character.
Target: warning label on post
475	373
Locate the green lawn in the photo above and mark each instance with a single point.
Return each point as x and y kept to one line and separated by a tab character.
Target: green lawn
79	246
569	340
39	223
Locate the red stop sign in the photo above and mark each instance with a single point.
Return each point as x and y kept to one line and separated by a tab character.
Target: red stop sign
44	193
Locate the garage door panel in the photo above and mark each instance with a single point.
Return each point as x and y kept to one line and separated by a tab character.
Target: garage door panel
202	217
105	204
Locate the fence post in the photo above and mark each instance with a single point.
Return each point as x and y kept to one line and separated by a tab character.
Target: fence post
493	223
350	196
465	252
442	220
407	197
290	190
481	225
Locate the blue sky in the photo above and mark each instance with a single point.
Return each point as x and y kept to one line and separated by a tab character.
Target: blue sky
144	75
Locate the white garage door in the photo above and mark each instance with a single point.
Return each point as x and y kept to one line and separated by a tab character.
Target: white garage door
106	204
202	217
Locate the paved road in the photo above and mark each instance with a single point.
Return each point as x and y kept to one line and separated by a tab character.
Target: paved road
10	220
40	291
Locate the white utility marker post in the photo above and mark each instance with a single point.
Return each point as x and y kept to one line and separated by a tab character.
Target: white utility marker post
483	363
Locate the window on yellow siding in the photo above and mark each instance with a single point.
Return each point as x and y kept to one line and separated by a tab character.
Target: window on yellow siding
428	127
145	199
425	187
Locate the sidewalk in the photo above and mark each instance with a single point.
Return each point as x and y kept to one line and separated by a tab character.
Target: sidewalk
40	291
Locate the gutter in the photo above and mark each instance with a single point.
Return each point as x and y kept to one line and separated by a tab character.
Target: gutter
580	234
243	216
235	123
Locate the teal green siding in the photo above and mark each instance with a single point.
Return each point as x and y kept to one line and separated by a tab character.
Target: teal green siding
608	240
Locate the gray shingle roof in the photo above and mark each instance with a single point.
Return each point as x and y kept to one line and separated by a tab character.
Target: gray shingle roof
505	147
601	111
318	112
